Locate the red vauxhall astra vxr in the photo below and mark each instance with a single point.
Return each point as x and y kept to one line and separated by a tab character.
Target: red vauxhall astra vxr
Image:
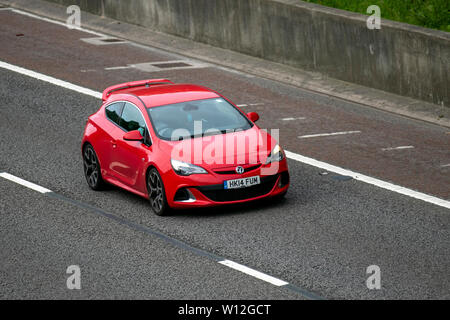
180	146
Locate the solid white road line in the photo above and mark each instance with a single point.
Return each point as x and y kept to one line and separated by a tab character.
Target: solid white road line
24	183
253	273
327	134
445	165
51	80
398	148
290	155
373	181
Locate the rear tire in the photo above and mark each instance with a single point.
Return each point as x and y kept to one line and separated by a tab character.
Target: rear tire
92	170
157	193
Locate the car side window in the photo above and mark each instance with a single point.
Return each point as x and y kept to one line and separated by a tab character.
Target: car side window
114	111
132	119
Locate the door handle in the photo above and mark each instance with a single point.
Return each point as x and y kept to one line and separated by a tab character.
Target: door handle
113	142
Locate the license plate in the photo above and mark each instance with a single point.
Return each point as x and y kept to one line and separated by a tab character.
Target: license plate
241	183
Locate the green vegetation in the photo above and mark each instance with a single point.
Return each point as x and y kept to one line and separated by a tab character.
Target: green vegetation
433	14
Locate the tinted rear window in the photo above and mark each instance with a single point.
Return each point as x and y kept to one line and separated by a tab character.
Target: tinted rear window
114	111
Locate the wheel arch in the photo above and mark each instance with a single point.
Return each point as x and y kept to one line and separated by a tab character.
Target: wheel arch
99	158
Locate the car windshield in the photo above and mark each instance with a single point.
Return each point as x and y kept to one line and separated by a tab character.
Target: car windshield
197	118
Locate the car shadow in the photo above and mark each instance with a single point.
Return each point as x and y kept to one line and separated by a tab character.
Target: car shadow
213	211
232	209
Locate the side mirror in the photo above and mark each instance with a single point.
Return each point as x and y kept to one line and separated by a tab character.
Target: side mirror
253	116
134	135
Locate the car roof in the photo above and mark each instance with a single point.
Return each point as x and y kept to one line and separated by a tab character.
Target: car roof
162	94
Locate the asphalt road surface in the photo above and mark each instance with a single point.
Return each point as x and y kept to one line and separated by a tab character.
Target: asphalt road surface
320	239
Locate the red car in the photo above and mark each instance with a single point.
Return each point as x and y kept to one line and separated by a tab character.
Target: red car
180	146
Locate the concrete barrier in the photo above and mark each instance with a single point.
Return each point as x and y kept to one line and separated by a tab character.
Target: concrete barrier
399	58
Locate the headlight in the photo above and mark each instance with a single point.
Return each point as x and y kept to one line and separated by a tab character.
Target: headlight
276	155
185	169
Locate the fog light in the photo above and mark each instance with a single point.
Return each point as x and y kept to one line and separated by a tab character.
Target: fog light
184	195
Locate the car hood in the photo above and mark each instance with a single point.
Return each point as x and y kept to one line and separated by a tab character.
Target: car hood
244	148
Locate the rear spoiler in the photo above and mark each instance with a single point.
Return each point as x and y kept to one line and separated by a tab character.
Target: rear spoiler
147	83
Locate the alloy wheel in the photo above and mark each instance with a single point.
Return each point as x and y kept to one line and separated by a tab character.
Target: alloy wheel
91	167
156	192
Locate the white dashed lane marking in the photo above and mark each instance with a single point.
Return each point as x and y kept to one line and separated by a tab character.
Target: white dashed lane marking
249	105
118	68
398	148
253	273
292	119
327	134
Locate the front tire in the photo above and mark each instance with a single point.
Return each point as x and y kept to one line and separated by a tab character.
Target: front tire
157	193
92	171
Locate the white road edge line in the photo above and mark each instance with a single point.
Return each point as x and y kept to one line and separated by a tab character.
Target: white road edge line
327	134
51	80
290	155
253	273
24	183
373	181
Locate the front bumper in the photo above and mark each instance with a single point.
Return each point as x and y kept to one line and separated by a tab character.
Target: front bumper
192	192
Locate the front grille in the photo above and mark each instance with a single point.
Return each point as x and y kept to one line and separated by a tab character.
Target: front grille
219	194
246	169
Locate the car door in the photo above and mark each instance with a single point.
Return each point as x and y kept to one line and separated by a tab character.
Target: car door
129	157
109	133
